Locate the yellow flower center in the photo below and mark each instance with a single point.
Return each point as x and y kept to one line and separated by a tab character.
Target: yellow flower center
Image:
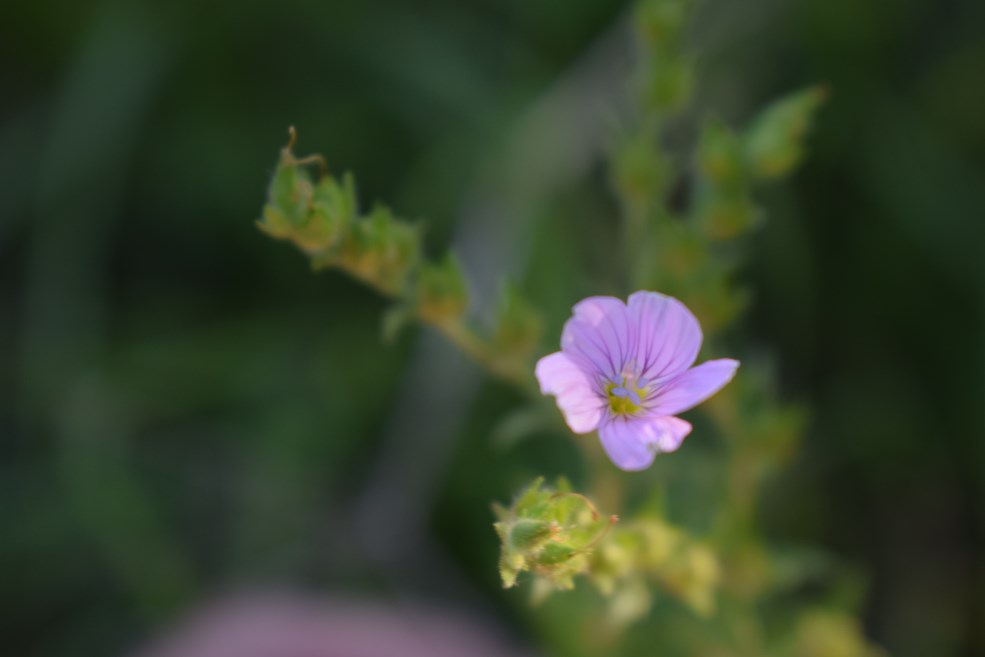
624	398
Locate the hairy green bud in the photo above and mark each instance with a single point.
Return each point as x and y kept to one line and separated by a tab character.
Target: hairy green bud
549	532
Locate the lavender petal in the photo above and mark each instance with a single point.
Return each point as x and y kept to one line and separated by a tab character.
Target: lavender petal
694	386
633	442
600	337
669	335
580	404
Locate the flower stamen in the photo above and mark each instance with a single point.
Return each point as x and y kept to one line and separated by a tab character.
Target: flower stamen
624	398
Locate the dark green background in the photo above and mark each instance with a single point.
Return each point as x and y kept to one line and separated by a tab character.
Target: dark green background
184	408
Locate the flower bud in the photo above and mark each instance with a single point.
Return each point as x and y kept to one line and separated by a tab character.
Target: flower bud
530	535
719	155
441	291
650	549
774	144
313	216
723	204
669	83
661	22
518	326
639	174
378	249
667	75
548	532
290	189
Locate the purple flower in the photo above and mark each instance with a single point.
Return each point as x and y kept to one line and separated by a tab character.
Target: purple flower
625	369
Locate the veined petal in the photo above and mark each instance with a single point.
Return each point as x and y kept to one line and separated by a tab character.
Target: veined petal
689	389
633	442
669	335
600	338
580	404
621	440
594	309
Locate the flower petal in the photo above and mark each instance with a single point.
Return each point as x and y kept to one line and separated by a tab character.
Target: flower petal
633	442
694	386
669	335
600	338
579	402
672	432
621	440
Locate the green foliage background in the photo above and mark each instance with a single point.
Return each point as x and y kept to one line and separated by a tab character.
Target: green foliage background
184	408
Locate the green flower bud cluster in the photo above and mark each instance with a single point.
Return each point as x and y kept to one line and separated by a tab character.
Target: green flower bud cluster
378	249
639	174
723	200
683	264
682	229
667	73
727	163
556	535
322	219
550	533
321	216
313	217
690	252
650	549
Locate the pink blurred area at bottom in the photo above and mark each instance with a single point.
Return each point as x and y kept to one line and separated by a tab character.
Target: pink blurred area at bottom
296	626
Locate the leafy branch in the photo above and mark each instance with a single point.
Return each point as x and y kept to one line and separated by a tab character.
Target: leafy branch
321	217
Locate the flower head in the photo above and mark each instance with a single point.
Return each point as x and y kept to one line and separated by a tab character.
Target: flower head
625	370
